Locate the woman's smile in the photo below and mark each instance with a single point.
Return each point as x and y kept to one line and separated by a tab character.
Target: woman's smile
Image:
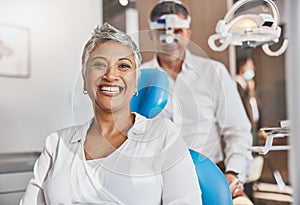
110	90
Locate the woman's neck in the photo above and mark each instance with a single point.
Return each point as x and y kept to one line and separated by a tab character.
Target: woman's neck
113	124
106	134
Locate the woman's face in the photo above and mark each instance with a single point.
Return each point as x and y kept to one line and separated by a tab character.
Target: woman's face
110	77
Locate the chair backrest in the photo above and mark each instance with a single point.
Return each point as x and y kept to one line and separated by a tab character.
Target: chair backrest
213	184
151	99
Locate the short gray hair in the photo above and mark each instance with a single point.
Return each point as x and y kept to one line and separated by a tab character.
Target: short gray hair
106	33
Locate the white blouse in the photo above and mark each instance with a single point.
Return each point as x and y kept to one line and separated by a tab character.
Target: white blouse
152	166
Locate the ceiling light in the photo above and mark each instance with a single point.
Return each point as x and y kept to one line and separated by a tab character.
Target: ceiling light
123	2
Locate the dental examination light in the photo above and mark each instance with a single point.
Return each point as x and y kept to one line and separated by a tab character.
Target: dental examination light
123	2
248	30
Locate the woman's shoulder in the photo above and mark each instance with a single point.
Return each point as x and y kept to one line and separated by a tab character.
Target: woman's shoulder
152	126
161	123
159	137
165	130
68	134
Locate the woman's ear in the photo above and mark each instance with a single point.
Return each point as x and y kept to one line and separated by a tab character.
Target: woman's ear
84	84
84	91
83	78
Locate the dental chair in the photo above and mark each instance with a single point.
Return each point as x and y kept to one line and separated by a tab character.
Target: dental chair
151	99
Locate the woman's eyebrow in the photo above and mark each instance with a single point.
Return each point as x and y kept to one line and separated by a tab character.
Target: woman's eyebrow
100	57
126	59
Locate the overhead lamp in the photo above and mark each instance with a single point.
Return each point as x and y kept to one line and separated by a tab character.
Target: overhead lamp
123	2
248	30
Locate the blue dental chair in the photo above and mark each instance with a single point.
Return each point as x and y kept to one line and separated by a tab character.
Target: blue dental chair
151	99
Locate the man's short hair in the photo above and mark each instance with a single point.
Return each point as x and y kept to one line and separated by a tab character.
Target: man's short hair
168	7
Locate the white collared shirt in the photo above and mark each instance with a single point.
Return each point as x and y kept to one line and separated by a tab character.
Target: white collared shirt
205	104
152	166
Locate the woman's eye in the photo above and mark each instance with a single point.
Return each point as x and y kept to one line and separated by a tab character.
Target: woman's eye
124	65
98	64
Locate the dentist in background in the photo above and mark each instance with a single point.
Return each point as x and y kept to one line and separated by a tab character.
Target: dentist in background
203	100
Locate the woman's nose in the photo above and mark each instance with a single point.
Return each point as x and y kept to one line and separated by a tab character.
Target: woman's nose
111	73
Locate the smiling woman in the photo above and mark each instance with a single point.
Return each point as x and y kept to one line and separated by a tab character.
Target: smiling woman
110	78
117	157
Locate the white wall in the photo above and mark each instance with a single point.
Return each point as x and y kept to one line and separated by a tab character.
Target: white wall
32	108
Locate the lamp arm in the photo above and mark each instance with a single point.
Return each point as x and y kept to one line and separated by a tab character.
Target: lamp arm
212	44
268	51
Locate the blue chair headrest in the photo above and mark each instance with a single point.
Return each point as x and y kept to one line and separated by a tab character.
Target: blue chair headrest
153	93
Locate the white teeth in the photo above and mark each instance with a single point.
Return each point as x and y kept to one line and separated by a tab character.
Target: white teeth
110	89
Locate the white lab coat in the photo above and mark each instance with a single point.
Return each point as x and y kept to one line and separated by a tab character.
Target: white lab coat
205	104
153	166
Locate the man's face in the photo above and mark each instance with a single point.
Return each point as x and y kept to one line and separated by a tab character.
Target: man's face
175	48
